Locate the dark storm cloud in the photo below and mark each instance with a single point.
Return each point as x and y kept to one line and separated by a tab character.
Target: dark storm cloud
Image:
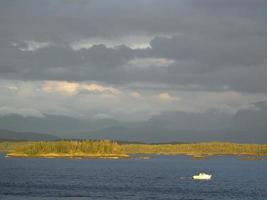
212	52
63	19
213	44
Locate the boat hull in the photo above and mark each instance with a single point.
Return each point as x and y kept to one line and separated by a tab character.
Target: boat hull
205	177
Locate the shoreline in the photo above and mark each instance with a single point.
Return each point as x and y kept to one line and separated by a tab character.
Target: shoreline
130	156
70	156
104	149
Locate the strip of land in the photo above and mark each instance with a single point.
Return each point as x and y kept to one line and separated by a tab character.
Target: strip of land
102	149
105	149
198	150
68	155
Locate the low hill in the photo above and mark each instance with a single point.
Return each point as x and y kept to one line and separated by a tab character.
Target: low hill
13	135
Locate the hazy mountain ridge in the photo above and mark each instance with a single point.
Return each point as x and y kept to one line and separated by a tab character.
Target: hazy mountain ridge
247	126
13	135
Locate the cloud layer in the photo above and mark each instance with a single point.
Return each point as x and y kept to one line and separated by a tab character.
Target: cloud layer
131	60
180	43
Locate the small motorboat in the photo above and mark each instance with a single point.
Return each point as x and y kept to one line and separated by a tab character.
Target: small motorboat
202	176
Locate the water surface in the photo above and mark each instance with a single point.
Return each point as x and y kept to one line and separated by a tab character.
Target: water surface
162	177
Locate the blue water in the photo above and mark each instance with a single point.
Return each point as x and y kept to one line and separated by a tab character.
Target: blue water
166	177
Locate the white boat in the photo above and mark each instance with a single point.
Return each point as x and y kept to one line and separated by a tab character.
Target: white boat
202	176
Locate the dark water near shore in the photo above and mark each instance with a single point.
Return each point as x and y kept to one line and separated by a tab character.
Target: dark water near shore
167	177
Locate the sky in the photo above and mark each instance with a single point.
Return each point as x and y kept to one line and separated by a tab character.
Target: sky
132	60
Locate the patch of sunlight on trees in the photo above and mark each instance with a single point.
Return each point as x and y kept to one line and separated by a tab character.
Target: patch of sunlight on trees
69	147
209	148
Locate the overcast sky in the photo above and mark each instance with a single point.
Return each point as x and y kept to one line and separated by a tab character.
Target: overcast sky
131	60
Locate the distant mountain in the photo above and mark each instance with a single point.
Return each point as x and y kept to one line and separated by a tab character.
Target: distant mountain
13	135
157	135
53	124
246	126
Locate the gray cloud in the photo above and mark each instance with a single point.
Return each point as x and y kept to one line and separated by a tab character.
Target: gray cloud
193	65
214	44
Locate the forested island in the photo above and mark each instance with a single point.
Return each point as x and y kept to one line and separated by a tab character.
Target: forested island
115	150
68	149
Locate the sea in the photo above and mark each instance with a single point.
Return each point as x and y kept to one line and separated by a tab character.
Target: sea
160	177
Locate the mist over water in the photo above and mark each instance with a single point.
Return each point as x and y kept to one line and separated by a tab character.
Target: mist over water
162	177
